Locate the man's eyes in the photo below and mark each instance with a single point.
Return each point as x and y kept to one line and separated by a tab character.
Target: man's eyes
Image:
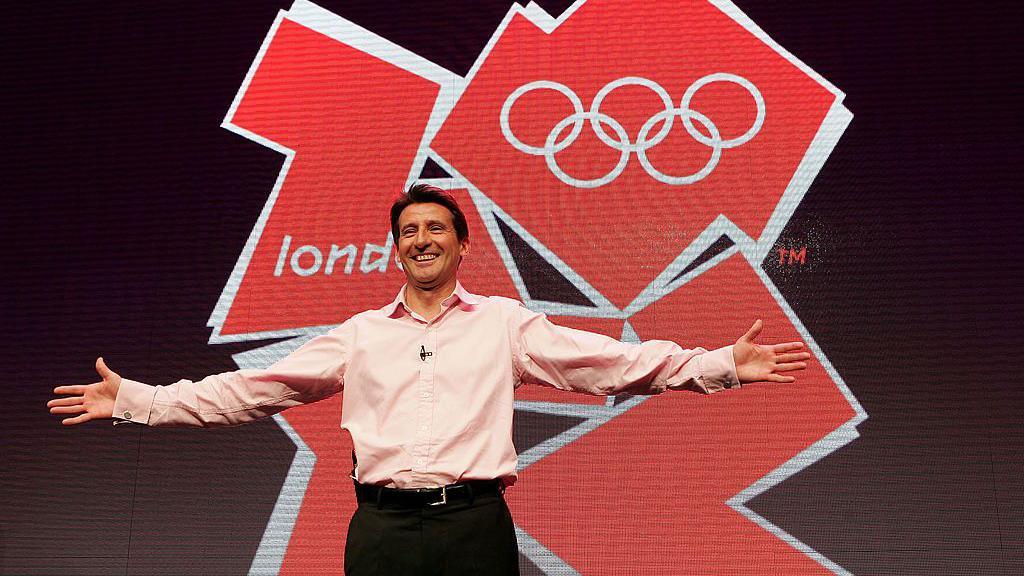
437	228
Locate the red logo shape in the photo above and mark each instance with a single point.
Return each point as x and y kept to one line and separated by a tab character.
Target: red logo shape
350	148
639	223
620	148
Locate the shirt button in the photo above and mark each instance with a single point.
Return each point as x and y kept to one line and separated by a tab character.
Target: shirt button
127	415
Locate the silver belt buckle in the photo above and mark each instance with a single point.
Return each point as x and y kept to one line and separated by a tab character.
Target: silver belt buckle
444	497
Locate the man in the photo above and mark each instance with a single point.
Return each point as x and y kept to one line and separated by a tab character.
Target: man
428	385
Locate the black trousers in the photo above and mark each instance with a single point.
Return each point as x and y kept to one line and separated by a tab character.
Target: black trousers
459	538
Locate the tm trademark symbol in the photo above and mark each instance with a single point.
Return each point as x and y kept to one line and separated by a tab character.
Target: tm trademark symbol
793	255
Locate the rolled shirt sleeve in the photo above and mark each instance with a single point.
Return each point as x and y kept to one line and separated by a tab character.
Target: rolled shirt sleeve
569	359
313	372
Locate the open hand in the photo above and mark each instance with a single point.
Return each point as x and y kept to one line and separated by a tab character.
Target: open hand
90	401
765	362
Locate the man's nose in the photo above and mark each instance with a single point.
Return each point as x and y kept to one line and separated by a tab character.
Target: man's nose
422	239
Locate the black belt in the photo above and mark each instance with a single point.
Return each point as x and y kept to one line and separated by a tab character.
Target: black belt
423	497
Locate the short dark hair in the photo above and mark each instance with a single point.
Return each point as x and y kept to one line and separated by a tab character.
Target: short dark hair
428	194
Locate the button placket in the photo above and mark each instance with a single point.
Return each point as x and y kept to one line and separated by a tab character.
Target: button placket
425	401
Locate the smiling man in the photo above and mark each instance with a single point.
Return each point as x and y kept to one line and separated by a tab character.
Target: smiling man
427	385
432	237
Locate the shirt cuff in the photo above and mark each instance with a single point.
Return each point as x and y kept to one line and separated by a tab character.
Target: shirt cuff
718	369
134	402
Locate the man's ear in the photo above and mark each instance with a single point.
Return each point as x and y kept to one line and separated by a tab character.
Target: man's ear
463	249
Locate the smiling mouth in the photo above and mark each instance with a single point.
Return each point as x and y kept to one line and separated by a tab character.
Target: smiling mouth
424	257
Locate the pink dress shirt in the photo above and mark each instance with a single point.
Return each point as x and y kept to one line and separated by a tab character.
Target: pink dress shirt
429	403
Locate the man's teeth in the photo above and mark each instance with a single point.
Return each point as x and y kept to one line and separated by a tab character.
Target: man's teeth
424	257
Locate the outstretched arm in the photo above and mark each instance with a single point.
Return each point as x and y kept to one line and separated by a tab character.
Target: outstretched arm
569	359
313	372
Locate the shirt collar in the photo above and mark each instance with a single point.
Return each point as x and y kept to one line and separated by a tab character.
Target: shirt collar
460	296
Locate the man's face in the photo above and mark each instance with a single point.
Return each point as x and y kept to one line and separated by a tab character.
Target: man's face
428	246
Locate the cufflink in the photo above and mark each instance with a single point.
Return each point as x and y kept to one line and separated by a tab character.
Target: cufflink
127	415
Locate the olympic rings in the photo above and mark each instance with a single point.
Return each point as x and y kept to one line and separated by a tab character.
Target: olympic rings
626	147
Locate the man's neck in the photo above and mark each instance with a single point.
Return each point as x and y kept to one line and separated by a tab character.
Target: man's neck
427	301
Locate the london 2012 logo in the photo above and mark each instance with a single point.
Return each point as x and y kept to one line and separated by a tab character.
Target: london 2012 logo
628	168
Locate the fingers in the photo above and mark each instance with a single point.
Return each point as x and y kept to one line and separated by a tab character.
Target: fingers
753	332
76	420
787	347
70	401
780	378
68	409
73	389
792	357
790	366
